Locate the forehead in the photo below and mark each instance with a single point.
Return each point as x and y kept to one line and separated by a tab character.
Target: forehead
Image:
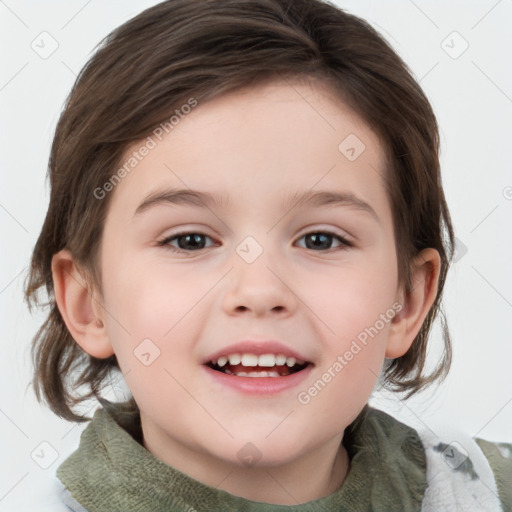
269	142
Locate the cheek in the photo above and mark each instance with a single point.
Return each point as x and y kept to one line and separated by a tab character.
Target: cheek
352	298
149	329
154	314
150	298
357	315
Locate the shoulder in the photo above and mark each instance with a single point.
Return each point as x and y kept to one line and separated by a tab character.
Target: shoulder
499	456
66	499
465	473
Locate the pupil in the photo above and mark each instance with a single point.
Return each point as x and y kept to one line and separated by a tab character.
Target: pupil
193	240
319	240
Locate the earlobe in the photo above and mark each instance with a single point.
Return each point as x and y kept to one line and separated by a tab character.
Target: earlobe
416	303
80	309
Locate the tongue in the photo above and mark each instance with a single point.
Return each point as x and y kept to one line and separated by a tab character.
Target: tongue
235	368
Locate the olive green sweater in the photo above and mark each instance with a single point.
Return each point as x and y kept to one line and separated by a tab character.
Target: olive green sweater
111	471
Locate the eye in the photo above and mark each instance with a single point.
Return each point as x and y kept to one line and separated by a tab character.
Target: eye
187	242
323	239
195	241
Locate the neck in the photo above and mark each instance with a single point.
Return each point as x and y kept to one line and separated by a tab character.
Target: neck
306	479
311	476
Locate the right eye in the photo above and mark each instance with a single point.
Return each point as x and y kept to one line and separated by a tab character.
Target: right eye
186	241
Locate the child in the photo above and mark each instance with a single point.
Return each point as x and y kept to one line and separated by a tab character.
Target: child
247	221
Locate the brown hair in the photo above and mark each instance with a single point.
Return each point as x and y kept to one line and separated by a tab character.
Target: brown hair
181	49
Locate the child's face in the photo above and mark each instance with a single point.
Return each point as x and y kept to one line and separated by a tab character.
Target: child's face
258	277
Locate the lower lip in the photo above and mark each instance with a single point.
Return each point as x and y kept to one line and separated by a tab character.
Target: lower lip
259	385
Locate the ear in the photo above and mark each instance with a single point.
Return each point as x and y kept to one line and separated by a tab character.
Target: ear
416	303
79	307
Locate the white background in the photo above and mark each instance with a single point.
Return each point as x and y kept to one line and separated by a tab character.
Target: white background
472	97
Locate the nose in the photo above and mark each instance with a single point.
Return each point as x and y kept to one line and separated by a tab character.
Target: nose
259	288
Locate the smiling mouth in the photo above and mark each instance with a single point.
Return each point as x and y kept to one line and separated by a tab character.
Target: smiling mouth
247	366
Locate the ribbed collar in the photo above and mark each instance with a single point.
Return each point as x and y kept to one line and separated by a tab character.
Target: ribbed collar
111	471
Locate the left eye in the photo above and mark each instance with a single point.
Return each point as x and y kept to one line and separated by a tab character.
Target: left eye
320	239
195	241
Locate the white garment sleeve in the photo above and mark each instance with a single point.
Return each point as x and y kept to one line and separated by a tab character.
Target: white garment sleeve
459	477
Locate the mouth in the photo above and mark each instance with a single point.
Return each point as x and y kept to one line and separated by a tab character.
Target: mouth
258	366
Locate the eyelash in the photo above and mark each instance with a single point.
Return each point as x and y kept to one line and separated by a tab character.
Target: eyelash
166	241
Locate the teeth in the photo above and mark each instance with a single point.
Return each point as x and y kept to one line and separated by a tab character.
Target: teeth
253	374
249	360
266	360
280	360
234	359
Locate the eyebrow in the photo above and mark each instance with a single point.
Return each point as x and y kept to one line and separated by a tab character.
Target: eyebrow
329	198
298	199
180	196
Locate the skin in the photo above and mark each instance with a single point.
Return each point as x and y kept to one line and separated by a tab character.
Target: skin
256	147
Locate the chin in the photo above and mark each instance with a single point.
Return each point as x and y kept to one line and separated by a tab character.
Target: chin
261	452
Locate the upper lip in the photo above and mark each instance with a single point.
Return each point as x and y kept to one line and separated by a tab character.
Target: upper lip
257	348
